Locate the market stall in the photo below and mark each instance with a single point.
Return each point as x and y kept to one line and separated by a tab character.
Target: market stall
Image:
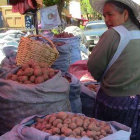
46	87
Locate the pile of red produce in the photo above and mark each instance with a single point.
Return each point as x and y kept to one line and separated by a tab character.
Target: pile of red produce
32	73
73	125
64	35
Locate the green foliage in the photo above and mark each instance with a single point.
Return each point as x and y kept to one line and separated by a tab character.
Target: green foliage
82	27
88	10
50	2
86	7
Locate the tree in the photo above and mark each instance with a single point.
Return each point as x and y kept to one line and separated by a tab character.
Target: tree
89	11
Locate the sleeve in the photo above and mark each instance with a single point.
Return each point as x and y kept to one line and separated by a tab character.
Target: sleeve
102	53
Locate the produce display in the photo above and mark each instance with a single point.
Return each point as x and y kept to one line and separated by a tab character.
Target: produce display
73	125
63	35
32	73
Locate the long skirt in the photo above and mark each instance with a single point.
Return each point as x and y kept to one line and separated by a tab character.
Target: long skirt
124	109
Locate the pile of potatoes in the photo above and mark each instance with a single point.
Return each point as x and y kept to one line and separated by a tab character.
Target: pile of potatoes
73	125
32	73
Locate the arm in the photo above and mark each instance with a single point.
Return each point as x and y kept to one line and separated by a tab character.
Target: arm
102	53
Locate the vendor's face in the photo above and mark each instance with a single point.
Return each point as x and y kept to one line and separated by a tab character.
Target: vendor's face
112	16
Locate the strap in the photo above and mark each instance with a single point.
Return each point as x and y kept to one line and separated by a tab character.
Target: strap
135	34
125	37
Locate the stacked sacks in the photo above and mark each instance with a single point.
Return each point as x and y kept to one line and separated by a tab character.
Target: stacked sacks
69	52
20	97
88	95
74	94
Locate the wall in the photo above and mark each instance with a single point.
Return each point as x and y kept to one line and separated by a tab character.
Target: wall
11	19
75	9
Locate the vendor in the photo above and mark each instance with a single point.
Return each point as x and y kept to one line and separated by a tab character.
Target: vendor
115	63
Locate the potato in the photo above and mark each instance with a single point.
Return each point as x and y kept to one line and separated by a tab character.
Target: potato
86	124
73	119
107	128
101	136
39	79
90	134
55	122
83	133
37	72
77	131
32	79
65	125
29	71
59	125
24	66
69	116
63	129
24	78
45	76
67	132
51	73
103	132
38	126
44	70
39	120
33	64
67	121
92	126
72	125
48	126
102	123
98	133
52	118
61	115
79	122
55	130
44	124
20	72
47	118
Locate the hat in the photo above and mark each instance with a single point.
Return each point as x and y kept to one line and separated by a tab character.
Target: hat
99	4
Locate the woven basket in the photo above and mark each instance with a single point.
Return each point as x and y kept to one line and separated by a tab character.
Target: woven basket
36	50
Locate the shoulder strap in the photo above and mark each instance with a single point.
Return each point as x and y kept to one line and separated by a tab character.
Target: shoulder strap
125	37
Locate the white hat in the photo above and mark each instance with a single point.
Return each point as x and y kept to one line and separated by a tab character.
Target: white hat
99	4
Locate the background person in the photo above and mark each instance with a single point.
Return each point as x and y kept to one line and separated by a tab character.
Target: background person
115	63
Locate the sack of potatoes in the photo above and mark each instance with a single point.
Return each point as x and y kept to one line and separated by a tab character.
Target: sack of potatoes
68	124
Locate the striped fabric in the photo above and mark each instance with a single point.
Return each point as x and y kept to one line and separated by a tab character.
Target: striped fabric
125	110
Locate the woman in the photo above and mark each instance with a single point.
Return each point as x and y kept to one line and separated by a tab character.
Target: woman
115	63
